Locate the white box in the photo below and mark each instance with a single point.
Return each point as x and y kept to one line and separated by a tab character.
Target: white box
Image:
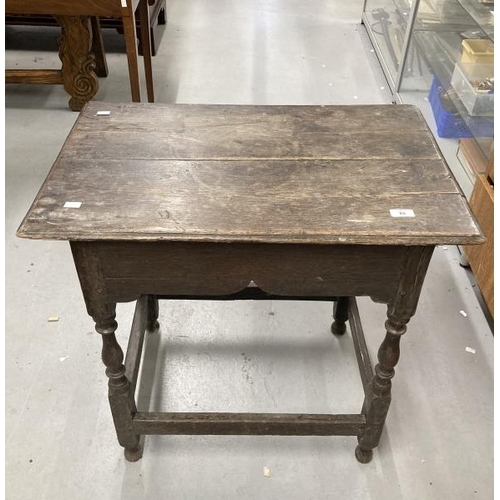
463	79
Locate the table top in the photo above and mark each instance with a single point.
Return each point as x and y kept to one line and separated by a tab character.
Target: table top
103	8
228	173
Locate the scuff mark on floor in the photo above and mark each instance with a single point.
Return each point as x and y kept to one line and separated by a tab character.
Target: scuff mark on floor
246	367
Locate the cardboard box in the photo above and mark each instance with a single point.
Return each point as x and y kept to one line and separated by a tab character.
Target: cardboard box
472	151
478	51
465	79
480	257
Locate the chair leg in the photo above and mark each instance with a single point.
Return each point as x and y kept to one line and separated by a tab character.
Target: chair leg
162	17
146	47
132	59
101	66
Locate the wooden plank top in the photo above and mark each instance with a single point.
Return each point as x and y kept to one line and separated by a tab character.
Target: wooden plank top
228	173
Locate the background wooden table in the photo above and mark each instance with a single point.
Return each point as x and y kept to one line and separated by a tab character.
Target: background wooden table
75	46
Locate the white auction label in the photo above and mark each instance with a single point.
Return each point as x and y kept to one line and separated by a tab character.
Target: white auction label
402	212
103	113
73	204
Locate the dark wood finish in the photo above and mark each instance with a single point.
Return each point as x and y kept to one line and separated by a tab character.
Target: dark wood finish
362	354
120	393
200	132
263	424
250	293
153	313
243	173
136	341
75	46
222	269
399	311
197	202
341	315
120	390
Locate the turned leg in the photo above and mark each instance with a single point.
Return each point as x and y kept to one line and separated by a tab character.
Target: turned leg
399	312
78	62
378	397
121	397
153	313
340	314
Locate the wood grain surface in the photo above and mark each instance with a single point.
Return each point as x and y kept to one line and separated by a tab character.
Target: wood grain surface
263	424
34	76
281	174
129	269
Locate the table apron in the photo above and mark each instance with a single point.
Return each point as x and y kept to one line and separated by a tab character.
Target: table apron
122	271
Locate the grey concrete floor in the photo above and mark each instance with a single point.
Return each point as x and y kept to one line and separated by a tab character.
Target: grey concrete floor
253	356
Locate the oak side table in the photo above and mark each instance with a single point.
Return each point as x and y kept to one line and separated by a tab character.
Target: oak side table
198	201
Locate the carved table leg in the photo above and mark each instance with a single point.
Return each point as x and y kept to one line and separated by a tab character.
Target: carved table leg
399	312
153	313
78	62
340	314
121	397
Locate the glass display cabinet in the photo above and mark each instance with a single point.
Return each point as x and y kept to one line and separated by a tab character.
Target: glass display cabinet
439	55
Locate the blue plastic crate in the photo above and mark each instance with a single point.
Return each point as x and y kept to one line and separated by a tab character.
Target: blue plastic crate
452	125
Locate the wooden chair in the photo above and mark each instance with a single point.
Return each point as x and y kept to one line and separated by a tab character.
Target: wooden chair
131	45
